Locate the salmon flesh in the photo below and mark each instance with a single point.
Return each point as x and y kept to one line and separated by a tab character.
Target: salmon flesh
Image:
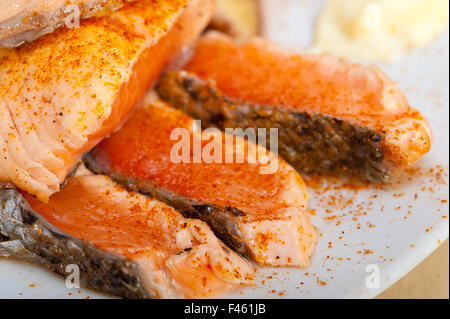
65	92
261	216
125	244
333	116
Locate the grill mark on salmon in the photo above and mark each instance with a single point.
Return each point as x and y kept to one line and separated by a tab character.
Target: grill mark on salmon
125	243
361	100
262	217
23	21
68	90
312	142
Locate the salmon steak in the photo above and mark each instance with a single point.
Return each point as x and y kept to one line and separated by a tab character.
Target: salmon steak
257	207
22	21
66	91
333	116
124	243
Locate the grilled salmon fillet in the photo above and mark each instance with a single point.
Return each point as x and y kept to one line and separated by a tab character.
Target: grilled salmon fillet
22	21
332	115
176	257
68	90
259	213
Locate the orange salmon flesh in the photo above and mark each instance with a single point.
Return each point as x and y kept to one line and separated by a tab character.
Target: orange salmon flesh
276	227
65	92
178	257
262	73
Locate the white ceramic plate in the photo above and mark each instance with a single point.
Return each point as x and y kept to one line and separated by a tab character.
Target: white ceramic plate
384	232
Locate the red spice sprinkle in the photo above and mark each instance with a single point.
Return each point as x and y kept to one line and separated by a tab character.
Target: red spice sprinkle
367	252
322	283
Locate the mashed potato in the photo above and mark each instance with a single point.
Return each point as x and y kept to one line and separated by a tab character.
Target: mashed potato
379	29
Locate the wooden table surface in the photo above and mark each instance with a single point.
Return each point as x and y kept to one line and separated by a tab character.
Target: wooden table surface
428	280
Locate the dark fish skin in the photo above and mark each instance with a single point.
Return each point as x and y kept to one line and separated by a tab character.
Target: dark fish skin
28	25
24	234
311	143
222	220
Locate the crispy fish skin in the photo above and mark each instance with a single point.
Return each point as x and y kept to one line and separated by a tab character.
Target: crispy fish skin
24	234
22	21
312	143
